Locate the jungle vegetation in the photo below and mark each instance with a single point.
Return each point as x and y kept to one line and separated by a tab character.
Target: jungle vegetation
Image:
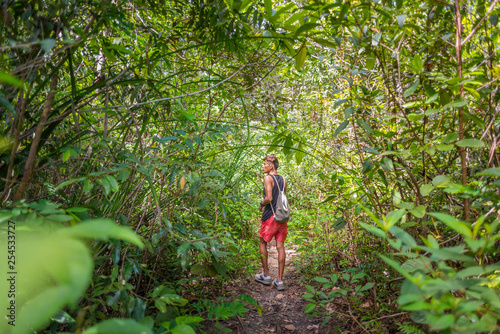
132	135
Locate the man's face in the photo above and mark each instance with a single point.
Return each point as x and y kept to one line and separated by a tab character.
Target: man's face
267	167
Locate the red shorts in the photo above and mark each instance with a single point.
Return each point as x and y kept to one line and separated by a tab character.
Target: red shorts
271	228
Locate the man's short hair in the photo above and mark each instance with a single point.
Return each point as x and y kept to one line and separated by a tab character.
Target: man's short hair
272	159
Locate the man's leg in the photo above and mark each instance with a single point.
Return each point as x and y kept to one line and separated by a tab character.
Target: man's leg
280	247
263	256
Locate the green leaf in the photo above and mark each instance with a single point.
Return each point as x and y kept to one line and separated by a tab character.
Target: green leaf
309	308
325	42
417	63
470	142
456	104
268	5
370	61
367	286
453	223
374	230
442	322
393	217
102	229
87	186
183	329
47	44
112	183
300	58
119	326
66	155
341	127
450	138
418	211
321	280
413	87
493	20
490	172
305	27
183	248
444	148
401	20
415	117
105	184
10	80
441	180
425	189
68	182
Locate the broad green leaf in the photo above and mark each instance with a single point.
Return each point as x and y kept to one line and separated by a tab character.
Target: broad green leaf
418	211
183	329
47	44
173	299
10	80
453	223
183	248
415	117
119	326
393	217
444	147
66	155
470	142
300	58
417	63
321	280
441	180
442	322
490	172
450	138
425	189
370	61
470	271
456	104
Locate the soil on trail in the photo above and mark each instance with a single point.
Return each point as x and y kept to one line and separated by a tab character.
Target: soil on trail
282	311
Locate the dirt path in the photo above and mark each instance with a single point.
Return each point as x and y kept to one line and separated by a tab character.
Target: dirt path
282	311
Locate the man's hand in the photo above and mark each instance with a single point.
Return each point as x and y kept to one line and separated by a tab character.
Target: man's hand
261	208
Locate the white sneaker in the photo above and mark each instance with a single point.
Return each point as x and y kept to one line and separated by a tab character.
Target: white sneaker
266	280
278	284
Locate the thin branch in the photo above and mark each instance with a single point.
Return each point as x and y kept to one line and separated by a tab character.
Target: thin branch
129	106
479	23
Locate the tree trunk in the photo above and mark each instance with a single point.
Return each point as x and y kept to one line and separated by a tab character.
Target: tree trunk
30	162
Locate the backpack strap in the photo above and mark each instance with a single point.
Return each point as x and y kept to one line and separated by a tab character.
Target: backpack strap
278	183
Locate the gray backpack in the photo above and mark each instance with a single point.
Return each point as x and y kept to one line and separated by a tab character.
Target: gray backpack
282	214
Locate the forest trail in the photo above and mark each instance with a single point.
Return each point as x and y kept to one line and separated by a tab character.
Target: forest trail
282	311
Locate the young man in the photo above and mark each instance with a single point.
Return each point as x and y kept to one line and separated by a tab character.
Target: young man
269	227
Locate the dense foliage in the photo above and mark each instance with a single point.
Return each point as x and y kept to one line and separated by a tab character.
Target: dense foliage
153	117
